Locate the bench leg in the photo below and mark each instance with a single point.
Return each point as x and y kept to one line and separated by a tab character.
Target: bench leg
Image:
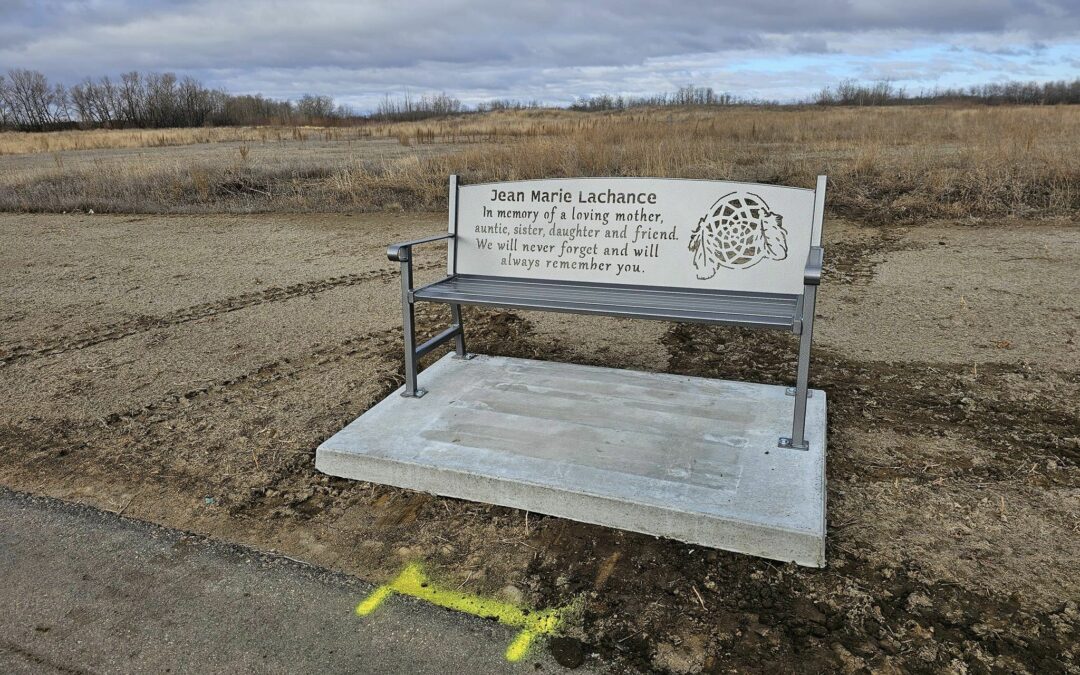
798	426
459	339
408	316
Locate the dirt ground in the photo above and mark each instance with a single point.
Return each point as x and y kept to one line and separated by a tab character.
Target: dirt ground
183	369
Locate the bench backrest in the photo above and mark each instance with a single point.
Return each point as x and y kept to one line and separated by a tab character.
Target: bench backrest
660	232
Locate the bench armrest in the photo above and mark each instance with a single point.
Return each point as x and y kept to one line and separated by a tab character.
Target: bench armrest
402	252
812	272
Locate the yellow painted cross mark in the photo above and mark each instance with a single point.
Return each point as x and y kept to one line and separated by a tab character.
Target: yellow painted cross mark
412	582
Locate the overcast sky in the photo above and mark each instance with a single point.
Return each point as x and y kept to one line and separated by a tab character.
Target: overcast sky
359	50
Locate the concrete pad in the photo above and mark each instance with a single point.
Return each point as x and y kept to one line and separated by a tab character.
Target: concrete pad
689	458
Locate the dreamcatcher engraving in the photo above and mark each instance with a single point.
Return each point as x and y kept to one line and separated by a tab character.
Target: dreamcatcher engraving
738	232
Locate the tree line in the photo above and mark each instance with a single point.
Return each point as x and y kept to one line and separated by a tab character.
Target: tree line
854	93
29	102
684	96
409	107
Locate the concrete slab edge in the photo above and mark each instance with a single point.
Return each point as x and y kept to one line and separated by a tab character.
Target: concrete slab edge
801	547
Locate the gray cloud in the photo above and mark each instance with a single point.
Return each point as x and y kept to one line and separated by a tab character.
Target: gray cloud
480	48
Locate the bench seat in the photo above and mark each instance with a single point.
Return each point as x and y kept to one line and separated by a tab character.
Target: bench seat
758	310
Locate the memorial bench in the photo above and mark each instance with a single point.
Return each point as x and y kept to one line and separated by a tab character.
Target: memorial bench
710	252
690	458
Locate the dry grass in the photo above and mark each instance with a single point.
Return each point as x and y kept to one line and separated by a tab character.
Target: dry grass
19	142
885	164
481	128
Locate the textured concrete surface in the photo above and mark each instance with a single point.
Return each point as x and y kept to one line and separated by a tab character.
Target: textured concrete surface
689	458
88	591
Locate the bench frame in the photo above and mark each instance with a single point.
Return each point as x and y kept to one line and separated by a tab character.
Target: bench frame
802	325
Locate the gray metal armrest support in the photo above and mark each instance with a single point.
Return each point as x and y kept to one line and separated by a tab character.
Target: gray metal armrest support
402	253
811	279
812	272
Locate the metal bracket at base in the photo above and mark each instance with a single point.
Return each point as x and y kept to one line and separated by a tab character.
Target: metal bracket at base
791	391
467	357
785	442
419	394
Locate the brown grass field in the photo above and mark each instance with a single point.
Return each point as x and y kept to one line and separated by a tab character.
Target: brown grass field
888	164
178	355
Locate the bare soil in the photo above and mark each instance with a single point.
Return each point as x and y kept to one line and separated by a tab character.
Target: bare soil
183	369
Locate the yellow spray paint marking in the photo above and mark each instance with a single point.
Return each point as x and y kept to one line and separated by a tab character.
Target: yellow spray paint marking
412	582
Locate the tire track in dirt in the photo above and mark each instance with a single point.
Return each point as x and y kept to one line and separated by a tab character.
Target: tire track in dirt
381	345
38	660
150	424
365	345
117	331
85	446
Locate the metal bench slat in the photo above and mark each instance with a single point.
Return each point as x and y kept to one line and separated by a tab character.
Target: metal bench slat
627	296
480	281
750	309
586	291
649	296
624	300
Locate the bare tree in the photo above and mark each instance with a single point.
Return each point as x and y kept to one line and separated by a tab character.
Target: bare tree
409	108
96	103
7	118
30	102
315	108
132	107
